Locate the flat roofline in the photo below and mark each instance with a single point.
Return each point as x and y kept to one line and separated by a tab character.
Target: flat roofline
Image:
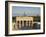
26	16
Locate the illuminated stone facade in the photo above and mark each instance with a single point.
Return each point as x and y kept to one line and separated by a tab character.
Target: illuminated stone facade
22	21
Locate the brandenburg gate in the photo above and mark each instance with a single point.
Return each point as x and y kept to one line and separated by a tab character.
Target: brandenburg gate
22	21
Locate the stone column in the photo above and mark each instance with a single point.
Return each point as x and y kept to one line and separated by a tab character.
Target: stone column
16	26
29	24
19	24
26	23
22	23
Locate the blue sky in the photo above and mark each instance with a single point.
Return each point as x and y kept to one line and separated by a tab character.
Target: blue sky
29	11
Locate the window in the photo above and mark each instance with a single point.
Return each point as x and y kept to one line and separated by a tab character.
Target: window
21	23
18	24
24	23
